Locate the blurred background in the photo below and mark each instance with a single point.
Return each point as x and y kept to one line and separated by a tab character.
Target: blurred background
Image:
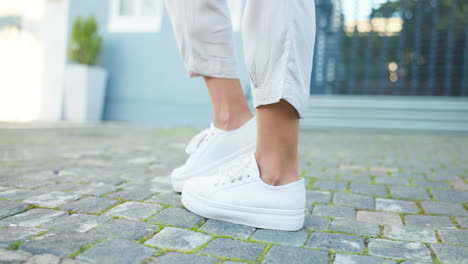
378	64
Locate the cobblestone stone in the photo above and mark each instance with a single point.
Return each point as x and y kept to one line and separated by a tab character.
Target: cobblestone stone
179	258
44	259
123	228
463	221
444	208
431	184
32	218
355	227
396	206
78	222
450	253
444	175
314	222
61	243
410	233
413	176
13	256
417	193
61	187
355	259
391	181
291	238
455	236
381	218
460	185
322	174
279	254
372	189
52	199
318	196
355	177
118	251
337	242
17	233
134	210
399	249
171	199
176	238
455	196
94	189
19	194
178	217
136	194
10	208
89	205
224	247
330	185
334	211
413	262
354	200
227	229
73	261
429	221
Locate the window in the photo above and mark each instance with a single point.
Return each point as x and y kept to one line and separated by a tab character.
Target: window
135	16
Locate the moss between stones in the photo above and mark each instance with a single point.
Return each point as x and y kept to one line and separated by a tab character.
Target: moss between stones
433	255
112	206
455	222
83	248
381	231
157	254
429	191
31	206
95	227
145	238
261	257
420	208
109	192
331	256
149	217
216	235
438	236
15	245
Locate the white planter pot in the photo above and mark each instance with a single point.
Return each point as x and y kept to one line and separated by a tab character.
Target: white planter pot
84	92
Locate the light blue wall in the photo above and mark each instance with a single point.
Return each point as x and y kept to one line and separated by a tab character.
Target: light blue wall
147	81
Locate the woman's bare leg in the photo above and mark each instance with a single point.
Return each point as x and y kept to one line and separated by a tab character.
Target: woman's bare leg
277	137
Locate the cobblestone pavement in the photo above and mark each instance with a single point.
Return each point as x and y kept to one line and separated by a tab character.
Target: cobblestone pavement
101	193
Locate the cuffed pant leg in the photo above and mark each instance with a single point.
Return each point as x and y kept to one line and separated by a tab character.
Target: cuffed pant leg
279	39
203	31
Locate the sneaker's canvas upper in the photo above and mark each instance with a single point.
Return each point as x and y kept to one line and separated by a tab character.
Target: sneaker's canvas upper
239	184
213	145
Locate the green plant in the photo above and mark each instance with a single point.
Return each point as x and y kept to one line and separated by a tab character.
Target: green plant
85	44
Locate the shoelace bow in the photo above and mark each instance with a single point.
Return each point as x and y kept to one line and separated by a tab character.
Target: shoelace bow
235	171
196	141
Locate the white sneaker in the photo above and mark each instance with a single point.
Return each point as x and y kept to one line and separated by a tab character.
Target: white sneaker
213	148
239	195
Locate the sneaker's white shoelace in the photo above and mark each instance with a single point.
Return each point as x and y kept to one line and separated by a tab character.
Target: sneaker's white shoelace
235	171
197	140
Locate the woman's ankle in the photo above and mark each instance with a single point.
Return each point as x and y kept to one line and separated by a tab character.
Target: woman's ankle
231	121
277	173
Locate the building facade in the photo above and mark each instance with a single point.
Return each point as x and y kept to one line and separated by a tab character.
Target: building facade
377	65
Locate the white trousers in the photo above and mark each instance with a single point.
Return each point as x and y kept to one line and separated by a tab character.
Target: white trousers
278	38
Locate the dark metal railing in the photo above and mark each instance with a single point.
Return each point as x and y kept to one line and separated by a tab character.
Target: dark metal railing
401	47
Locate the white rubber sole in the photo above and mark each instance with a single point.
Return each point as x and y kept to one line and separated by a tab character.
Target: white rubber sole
178	185
285	220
